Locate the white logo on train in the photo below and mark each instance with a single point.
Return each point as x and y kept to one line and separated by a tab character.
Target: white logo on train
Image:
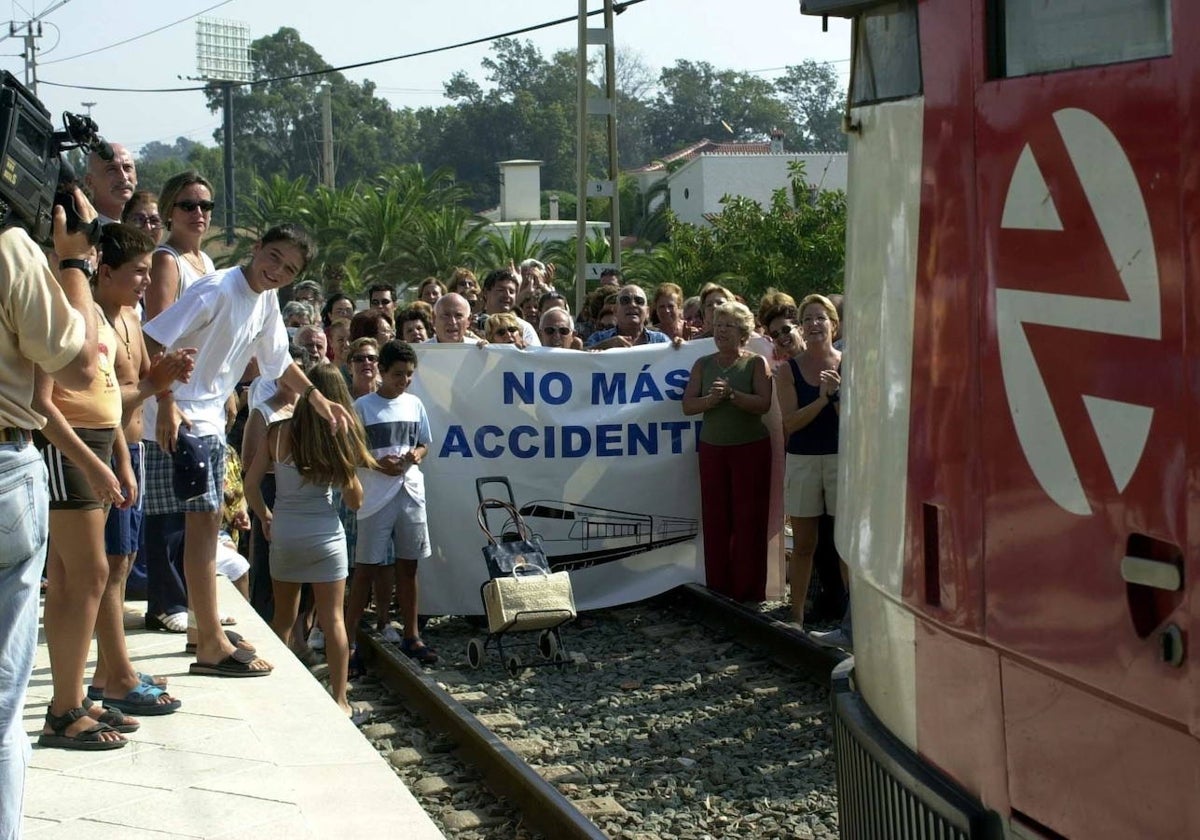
1115	198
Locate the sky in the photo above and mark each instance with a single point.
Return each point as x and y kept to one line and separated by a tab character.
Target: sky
756	36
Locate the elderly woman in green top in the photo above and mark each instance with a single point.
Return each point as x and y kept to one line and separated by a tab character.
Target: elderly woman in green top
732	389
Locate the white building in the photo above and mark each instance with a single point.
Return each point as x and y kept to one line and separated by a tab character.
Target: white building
521	204
751	170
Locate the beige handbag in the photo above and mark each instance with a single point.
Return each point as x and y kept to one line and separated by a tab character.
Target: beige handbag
529	599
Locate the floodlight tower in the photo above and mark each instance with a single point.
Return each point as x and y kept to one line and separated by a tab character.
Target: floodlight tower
223	56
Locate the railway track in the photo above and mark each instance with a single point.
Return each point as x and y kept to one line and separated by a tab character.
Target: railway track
686	716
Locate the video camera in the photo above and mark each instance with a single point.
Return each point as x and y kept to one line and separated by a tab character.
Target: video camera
33	175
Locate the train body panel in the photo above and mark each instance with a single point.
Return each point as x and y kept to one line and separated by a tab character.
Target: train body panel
1022	622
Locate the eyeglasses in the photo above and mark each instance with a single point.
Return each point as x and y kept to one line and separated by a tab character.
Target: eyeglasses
380	301
148	221
636	300
560	330
509	330
364	359
819	319
781	332
190	206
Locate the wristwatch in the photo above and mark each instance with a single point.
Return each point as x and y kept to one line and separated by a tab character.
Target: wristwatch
82	265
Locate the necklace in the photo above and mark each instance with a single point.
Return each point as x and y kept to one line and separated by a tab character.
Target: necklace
196	262
724	369
126	339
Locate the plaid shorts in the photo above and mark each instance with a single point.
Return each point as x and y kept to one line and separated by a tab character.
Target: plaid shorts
159	490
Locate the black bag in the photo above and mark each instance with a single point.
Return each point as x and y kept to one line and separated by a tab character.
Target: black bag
504	557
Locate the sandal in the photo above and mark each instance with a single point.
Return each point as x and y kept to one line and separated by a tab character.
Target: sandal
173	623
114	718
235	639
143	700
97	693
418	650
89	739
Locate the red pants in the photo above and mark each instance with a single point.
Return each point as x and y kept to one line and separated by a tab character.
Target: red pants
734	499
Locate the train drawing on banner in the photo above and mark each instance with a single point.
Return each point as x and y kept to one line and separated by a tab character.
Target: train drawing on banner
1018	472
575	535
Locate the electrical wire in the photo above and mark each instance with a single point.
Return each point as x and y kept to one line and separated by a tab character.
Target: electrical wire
617	7
137	37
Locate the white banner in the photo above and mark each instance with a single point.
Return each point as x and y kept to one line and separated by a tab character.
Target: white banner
594	451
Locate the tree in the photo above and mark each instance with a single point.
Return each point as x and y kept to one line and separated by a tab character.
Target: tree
696	100
815	102
277	124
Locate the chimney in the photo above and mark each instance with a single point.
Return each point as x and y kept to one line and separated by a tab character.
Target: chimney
520	190
776	141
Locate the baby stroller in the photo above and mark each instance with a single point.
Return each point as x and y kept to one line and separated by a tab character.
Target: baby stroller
521	594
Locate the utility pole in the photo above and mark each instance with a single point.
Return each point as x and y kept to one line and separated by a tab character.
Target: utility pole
327	175
33	31
88	105
606	107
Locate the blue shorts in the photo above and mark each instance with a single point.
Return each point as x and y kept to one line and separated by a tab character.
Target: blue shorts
123	528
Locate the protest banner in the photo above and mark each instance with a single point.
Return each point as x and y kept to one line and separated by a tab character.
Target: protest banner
592	448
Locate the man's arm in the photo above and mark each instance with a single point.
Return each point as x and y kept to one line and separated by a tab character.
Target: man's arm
78	373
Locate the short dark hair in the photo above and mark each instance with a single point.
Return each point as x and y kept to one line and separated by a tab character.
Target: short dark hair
120	243
396	351
612	272
381	287
136	201
413	312
496	275
330	302
293	234
366	322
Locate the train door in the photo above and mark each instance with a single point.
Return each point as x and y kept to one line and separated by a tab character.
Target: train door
1084	409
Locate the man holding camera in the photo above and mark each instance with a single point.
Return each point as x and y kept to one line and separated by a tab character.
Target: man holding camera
49	322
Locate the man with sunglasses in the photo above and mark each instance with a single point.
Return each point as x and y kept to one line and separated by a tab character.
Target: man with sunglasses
557	329
632	319
382	296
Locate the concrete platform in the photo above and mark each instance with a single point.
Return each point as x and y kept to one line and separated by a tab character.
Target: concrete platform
263	758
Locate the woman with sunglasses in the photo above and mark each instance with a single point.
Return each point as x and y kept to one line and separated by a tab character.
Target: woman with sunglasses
186	203
364	367
503	328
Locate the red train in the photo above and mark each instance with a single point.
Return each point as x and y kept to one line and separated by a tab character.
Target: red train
1018	479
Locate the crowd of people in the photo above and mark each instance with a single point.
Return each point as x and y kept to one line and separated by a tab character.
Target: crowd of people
180	422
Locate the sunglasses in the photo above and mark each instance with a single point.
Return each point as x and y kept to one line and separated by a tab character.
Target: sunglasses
780	333
559	330
148	221
380	301
636	300
190	206
368	358
509	330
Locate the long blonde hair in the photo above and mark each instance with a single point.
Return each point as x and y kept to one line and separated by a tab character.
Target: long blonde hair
321	455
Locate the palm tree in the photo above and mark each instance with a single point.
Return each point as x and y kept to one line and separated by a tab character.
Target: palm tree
267	204
519	245
440	240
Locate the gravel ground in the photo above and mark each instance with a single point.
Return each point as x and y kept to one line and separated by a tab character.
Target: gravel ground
659	728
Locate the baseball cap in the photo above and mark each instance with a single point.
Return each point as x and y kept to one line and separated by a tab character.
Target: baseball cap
191	466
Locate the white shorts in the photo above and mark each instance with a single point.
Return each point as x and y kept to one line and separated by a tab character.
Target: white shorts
401	522
810	485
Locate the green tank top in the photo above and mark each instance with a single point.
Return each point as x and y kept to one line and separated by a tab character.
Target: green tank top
725	424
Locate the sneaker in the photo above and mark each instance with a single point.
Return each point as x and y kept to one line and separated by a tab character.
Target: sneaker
316	639
391	634
833	638
418	650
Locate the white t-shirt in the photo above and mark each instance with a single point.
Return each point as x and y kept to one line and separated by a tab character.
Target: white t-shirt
187	272
229	324
394	426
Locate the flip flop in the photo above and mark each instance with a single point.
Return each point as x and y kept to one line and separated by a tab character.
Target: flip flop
143	700
360	717
235	639
96	693
237	664
228	621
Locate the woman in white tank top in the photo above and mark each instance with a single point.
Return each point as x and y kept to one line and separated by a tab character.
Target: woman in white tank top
186	205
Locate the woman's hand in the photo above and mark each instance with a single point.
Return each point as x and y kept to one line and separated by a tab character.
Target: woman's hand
721	389
266	526
831	381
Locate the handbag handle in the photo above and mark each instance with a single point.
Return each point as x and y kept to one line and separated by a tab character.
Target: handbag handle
526	568
488	504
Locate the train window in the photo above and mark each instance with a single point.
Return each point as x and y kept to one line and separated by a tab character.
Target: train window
1033	36
887	54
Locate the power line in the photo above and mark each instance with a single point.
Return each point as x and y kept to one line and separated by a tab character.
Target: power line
620	7
136	37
